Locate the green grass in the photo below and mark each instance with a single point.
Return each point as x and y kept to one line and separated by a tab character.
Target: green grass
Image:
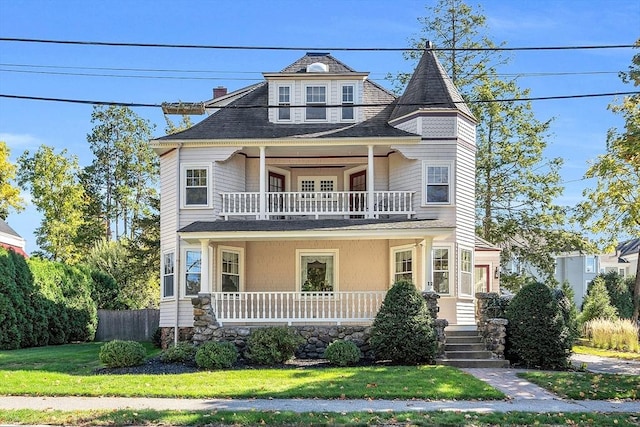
585	349
280	418
67	371
585	385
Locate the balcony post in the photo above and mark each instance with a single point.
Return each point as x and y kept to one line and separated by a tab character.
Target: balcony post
370	180
263	184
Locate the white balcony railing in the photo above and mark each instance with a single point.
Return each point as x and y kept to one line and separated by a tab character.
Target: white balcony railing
318	204
296	307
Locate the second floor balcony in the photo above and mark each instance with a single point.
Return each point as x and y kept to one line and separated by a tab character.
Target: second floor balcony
354	204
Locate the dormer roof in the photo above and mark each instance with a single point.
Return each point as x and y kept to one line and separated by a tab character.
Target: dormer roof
430	88
334	66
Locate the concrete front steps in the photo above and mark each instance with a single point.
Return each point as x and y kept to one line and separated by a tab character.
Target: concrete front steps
464	348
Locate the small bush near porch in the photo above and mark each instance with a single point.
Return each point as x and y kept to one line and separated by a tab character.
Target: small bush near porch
403	330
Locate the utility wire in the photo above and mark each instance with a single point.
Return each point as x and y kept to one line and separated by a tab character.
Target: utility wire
346	49
243	107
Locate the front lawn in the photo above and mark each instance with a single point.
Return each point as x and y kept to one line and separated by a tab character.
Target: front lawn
288	418
585	349
586	385
68	370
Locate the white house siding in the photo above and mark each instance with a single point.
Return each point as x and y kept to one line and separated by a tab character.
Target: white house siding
408	126
168	188
465	195
168	313
466	131
228	176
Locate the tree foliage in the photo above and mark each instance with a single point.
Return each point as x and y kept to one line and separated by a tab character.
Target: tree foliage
124	170
612	206
597	304
57	193
515	183
9	192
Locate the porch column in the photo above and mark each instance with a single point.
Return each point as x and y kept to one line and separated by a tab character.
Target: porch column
429	265
205	285
370	181
263	184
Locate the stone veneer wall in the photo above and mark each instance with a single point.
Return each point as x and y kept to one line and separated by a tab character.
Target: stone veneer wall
490	313
317	337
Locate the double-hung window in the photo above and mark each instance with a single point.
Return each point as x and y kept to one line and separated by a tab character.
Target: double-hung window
168	268
316	101
284	102
590	264
403	264
347	102
193	272
441	271
437	183
466	272
230	270
197	184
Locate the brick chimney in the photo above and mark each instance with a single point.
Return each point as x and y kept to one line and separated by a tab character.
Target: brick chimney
219	91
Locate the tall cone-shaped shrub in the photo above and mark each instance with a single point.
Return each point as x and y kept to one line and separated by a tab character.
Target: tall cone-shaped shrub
403	329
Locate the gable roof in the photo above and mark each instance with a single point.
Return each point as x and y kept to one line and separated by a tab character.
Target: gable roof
629	247
429	88
10	239
335	66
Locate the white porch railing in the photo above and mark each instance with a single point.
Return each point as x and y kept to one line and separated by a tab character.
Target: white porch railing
319	203
296	307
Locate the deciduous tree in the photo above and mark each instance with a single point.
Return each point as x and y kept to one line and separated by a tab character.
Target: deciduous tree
57	193
9	192
613	204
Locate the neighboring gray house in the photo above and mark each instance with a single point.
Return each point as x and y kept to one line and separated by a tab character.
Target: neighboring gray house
307	195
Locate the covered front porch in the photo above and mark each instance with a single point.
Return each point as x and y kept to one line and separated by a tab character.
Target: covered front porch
313	272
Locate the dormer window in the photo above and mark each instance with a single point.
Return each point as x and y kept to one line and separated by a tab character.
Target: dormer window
284	100
317	67
347	102
316	98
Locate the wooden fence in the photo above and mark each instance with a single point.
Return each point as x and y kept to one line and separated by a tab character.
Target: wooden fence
135	325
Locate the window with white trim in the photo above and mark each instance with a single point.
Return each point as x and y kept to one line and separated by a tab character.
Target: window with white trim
197	186
403	265
284	101
347	102
441	276
316	101
230	270
437	183
317	270
466	272
590	264
193	271
317	184
168	269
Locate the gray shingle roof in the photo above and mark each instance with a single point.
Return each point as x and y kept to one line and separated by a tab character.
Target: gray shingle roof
6	229
335	66
429	88
247	123
314	224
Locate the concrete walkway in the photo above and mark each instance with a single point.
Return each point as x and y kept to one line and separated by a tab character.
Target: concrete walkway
522	396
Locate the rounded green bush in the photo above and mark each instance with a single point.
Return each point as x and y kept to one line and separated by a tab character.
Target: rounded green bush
120	354
182	352
273	345
216	355
403	331
342	353
537	333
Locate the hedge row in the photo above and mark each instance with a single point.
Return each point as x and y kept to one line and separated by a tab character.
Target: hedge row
44	302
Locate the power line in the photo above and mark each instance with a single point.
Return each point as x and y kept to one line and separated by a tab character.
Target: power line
285	48
242	107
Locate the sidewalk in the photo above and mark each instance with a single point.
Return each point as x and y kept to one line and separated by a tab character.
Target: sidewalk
522	396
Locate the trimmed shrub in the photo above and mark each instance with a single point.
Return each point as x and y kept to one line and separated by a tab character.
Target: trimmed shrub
403	330
216	355
620	290
566	298
120	354
183	352
537	334
342	353
597	304
273	345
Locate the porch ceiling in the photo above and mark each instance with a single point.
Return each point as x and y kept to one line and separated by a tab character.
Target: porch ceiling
320	229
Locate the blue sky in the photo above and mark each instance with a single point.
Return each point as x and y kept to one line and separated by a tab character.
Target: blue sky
578	132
